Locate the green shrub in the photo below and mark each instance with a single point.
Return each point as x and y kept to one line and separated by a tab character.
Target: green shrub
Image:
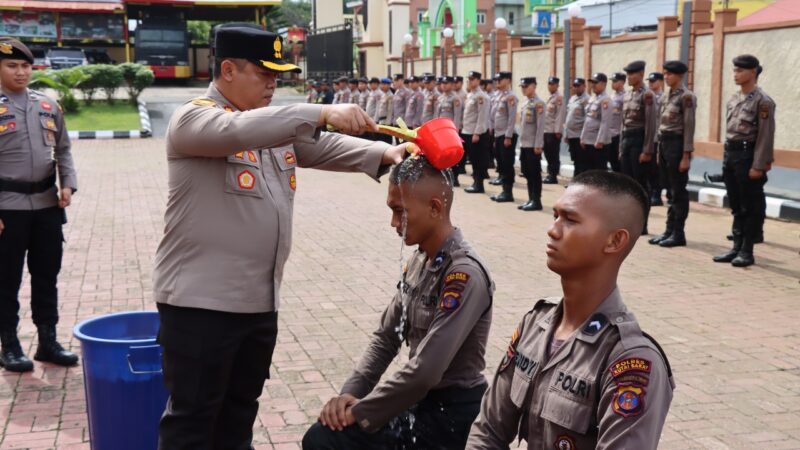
63	81
108	78
137	78
90	86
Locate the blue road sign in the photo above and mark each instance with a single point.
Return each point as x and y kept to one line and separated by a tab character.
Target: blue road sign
544	22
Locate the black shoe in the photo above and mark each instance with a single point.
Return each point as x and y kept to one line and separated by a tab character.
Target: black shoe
731	254
533	205
455	182
475	189
743	259
524	205
12	357
504	197
645	232
496	181
676	240
656	201
729	237
759	238
655	240
50	350
550	180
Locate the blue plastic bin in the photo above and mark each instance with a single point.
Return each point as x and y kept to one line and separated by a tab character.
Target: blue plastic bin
125	394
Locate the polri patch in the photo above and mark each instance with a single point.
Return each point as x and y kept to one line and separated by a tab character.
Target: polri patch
450	301
629	365
628	400
564	442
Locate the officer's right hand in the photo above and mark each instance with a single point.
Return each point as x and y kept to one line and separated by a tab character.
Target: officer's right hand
334	413
2	226
347	118
475	138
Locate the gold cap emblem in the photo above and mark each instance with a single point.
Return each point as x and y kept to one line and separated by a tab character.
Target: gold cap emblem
6	48
278	47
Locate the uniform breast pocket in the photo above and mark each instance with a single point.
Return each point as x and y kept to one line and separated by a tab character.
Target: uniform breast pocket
567	412
519	386
424	310
286	161
529	116
633	111
8	128
243	179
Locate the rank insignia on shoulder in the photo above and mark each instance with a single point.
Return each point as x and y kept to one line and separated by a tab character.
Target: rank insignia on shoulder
595	324
564	442
764	112
511	100
451	300
628	400
204	102
228	108
239	155
629	365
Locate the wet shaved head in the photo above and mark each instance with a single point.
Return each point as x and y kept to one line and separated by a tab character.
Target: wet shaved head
423	180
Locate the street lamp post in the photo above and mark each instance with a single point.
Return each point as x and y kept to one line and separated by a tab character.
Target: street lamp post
408	38
447	33
499	24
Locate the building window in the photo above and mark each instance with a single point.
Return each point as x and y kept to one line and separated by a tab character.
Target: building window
511	18
421	15
481	18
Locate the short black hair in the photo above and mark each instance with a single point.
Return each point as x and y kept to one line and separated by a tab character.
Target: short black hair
415	168
612	183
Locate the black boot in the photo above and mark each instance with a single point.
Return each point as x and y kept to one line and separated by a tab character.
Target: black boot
678	239
496	182
732	253
655	200
12	357
50	350
476	188
550	180
455	180
534	205
506	196
745	257
655	240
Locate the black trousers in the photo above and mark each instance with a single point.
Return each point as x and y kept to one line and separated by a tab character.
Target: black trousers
494	161
612	154
656	180
215	364
531	165
507	158
37	234
552	150
670	153
589	158
745	196
440	421
632	147
461	167
479	155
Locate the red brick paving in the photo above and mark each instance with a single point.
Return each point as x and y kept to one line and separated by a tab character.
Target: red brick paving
731	334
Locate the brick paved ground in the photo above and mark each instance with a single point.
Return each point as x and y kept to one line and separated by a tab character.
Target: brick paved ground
731	334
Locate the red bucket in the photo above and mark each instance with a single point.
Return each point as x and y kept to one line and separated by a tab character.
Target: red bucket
439	141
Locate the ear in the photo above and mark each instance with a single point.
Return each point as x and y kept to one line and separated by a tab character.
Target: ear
436	207
617	241
228	70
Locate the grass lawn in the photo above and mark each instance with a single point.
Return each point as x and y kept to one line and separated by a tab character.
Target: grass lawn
121	116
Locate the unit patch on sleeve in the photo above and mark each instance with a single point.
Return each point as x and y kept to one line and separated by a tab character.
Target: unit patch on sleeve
510	352
628	400
629	365
765	111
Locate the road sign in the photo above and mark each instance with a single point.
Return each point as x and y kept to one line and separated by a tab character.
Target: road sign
544	22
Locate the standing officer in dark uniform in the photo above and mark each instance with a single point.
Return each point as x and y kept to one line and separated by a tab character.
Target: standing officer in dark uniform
443	310
639	123
676	144
531	139
232	173
749	142
505	137
34	153
553	126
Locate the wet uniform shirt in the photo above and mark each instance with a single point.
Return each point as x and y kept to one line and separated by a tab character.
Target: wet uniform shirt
677	116
531	133
554	119
449	315
608	386
639	111
231	184
576	115
34	145
751	117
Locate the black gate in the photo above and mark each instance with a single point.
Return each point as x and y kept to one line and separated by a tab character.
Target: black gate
329	52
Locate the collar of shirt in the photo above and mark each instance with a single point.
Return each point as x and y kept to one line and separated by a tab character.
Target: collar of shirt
213	93
452	242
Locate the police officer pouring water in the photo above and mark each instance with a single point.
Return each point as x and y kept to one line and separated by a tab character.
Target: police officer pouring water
749	142
34	153
676	144
218	269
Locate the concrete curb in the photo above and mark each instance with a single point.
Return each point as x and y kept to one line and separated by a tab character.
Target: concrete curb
777	208
146	129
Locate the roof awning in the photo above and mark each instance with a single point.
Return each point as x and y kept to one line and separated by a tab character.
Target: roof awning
93	7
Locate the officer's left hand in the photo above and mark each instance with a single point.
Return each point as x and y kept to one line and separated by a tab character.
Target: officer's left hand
66	197
645	157
336	414
507	142
598	146
537	151
756	174
684	165
395	154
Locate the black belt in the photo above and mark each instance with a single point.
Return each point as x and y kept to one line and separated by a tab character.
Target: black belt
28	187
671	137
739	146
633	132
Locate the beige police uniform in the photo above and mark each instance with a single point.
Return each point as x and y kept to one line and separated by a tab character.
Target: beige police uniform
431	98
608	386
576	115
384	114
399	102
450	107
232	182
